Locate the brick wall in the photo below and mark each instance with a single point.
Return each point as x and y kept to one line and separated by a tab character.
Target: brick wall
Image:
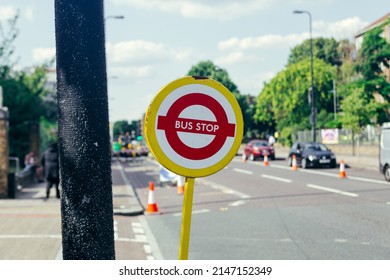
3	152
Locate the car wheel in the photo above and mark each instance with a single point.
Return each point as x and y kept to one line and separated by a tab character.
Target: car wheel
387	173
289	161
304	163
252	157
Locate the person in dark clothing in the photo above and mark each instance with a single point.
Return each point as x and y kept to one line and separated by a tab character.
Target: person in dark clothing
50	166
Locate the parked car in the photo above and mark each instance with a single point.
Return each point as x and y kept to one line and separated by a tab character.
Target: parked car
312	154
384	152
258	148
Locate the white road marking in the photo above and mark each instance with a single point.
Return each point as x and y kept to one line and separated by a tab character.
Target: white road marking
135	240
381	182
243	197
141	238
348	177
243	171
368	180
276	178
147	249
138	230
332	190
157	255
115	229
339	240
224	189
193	212
286	240
237	203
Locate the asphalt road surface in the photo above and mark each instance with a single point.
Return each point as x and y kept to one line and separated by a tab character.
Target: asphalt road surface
251	211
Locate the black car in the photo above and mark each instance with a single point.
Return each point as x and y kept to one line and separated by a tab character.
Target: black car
312	154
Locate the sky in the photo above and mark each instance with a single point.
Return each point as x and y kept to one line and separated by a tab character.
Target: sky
158	41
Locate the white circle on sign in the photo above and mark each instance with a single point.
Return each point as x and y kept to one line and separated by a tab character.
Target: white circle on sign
198	112
196	140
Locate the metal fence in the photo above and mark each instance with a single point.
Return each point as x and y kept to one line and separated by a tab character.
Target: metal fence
367	136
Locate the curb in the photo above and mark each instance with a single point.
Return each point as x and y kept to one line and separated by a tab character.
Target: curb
134	206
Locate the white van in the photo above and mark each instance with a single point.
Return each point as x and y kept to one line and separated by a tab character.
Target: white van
384	151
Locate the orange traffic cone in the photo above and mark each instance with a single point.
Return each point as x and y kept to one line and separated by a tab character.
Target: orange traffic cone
265	161
152	206
180	185
243	157
342	170
294	163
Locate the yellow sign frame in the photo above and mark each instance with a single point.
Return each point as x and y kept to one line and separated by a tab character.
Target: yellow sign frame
150	127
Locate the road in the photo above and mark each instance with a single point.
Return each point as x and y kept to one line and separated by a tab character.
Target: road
251	211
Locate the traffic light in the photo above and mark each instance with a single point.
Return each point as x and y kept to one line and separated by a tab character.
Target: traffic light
139	138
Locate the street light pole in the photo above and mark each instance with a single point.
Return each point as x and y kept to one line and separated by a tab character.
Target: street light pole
313	115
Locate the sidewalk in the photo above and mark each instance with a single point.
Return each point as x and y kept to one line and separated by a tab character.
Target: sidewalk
30	227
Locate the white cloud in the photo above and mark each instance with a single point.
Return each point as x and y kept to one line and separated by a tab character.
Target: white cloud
136	51
43	54
29	14
137	72
345	28
235	57
7	12
142	52
266	41
222	9
253	84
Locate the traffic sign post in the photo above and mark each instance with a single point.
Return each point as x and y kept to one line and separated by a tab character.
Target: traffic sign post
194	128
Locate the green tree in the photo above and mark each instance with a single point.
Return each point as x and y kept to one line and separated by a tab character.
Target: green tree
326	49
24	94
373	58
284	100
208	69
121	127
357	111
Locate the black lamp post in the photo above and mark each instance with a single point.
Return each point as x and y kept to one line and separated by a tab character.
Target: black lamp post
313	115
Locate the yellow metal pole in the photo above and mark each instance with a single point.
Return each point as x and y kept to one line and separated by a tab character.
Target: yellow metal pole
186	218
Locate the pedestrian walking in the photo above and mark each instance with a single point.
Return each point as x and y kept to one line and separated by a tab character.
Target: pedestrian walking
50	166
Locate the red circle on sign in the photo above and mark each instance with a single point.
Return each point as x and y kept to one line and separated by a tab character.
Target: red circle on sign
167	123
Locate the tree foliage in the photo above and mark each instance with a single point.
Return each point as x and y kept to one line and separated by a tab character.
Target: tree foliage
325	49
373	58
121	127
208	69
357	110
25	95
22	96
284	100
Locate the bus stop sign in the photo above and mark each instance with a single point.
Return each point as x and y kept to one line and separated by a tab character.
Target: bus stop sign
194	126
